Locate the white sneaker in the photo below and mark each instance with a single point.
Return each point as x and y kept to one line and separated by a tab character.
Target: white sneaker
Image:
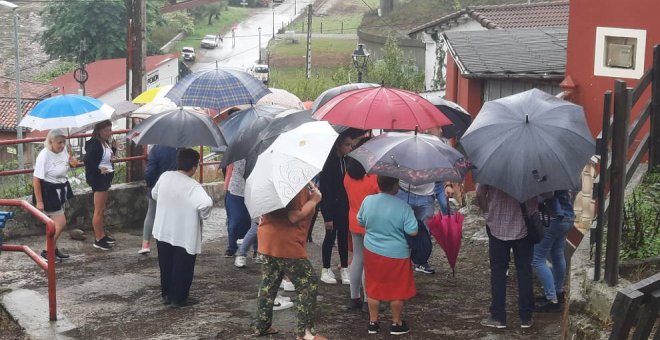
328	276
281	303
284	298
239	241
345	276
240	261
288	286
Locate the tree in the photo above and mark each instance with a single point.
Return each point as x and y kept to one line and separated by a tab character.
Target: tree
395	70
211	10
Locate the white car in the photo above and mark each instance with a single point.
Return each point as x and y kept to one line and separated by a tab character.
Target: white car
188	53
210	41
261	72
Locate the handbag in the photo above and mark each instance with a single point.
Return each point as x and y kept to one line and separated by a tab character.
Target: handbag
420	245
535	224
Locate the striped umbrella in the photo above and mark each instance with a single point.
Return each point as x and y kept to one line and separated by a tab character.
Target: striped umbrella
217	89
66	111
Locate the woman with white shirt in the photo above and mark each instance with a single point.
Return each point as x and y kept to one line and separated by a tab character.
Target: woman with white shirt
51	187
181	204
99	172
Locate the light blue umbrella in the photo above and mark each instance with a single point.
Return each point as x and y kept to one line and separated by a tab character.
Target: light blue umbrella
528	144
66	111
217	89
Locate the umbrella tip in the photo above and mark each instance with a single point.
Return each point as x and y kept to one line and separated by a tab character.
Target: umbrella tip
526	119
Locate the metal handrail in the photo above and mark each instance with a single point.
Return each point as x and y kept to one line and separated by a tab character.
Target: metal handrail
49	266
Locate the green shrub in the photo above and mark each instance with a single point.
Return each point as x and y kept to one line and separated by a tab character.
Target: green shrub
641	226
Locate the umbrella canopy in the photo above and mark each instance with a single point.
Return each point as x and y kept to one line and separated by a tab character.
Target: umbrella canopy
448	231
66	111
381	108
459	117
241	120
333	92
123	109
528	144
178	128
217	89
282	98
293	159
151	95
415	159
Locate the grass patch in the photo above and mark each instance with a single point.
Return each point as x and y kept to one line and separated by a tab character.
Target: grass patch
326	52
343	18
640	236
228	18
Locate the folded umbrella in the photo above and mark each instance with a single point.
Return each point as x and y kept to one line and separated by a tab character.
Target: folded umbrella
448	231
528	144
178	128
288	164
66	111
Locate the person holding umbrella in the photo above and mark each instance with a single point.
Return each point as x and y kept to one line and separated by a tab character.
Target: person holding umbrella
99	172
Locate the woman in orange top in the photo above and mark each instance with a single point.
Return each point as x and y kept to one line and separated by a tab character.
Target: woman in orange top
282	238
358	185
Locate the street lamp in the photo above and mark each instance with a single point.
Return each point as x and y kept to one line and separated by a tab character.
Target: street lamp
360	58
19	130
259	44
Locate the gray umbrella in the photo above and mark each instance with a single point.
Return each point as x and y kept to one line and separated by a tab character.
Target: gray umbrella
178	128
528	144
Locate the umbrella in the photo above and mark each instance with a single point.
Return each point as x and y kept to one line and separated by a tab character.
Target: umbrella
381	108
151	95
448	230
122	110
460	119
413	158
288	164
253	140
239	121
66	111
178	128
528	144
333	92
282	98
217	89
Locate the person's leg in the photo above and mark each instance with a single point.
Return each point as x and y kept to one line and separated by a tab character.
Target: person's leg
244	220
397	308
342	241
248	240
232	207
558	257
301	273
148	225
165	252
100	199
183	270
357	265
522	253
499	256
60	223
326	248
272	274
311	224
541	251
374	305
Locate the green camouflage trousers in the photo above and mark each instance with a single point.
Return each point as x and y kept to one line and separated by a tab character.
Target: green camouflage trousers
301	273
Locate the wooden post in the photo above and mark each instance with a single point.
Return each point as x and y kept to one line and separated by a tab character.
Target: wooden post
134	170
617	181
308	59
654	146
342	27
321	26
603	180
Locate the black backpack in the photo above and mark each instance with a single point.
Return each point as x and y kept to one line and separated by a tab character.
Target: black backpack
420	244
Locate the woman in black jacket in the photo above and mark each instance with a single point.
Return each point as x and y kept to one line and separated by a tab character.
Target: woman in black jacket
99	172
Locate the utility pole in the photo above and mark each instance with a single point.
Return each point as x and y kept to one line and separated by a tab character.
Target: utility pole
136	72
259	44
81	62
295	10
308	59
273	22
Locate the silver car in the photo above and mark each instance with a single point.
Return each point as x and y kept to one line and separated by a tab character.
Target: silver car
210	41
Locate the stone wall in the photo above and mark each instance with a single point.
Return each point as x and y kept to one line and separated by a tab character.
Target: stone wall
126	208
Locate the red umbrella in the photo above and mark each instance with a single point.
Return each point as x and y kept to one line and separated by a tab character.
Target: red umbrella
447	230
381	108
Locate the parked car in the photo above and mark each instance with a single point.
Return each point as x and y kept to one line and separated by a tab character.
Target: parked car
188	53
210	41
261	72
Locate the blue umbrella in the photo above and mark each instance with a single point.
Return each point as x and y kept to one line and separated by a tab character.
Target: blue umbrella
217	89
66	111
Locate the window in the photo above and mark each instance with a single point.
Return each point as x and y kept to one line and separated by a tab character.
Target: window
619	52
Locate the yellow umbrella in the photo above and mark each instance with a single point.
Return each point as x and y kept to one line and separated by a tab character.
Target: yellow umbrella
150	95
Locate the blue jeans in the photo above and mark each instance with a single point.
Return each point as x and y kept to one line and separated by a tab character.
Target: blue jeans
250	239
422	206
442	198
552	246
238	219
499	252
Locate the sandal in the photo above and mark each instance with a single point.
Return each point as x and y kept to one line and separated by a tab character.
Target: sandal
270	331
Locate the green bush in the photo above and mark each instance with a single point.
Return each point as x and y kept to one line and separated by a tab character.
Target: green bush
641	226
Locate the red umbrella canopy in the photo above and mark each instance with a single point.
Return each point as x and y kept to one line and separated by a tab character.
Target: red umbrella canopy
381	108
447	230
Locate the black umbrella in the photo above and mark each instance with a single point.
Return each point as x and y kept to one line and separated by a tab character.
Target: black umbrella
331	93
239	121
460	118
178	128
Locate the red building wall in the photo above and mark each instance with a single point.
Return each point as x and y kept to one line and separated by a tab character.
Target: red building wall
584	17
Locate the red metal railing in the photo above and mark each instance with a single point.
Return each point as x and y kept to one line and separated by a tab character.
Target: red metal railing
49	266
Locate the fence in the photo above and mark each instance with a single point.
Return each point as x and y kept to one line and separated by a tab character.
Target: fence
637	306
615	171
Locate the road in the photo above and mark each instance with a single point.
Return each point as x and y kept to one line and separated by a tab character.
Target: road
244	51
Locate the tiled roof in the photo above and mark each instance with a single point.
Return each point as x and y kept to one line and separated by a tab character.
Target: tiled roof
540	14
29	89
8	111
105	75
525	52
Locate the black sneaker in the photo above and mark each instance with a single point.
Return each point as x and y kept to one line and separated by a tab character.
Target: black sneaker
355	304
60	254
44	254
524	324
230	253
165	300
102	244
109	239
373	327
399	329
547	307
424	268
490	322
185	303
